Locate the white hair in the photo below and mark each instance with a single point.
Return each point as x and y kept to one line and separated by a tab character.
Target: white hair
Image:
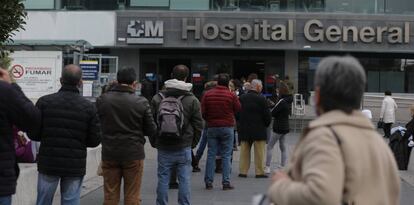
255	83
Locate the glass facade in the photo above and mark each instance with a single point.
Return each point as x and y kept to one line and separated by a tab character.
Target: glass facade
332	6
394	72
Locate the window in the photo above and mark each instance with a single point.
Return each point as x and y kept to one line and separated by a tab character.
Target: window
150	3
189	5
383	73
39	4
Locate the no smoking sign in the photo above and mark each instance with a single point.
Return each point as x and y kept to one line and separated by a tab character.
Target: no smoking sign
17	71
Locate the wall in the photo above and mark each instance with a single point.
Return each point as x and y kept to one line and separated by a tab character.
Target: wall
127	58
98	28
173	33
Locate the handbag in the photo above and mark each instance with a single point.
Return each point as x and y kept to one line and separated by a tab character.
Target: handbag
380	124
261	199
24	148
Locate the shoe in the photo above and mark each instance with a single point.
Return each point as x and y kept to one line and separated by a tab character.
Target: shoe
261	176
227	187
209	186
173	185
243	175
267	170
196	169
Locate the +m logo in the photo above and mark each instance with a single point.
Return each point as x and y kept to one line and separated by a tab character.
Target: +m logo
145	32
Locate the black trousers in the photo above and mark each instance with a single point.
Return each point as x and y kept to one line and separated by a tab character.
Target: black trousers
387	129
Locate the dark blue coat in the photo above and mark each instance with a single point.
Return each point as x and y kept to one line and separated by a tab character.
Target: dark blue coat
254	117
15	109
69	124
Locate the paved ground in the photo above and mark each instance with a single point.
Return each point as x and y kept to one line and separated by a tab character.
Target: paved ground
245	188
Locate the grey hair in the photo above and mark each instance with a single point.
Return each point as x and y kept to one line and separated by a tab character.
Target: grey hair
255	83
341	81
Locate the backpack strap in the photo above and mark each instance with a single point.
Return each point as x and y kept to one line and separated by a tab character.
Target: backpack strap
180	98
161	95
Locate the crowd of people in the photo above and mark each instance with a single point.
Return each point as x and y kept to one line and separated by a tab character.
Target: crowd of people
339	159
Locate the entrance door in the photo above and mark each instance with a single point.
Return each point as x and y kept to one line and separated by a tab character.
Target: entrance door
243	68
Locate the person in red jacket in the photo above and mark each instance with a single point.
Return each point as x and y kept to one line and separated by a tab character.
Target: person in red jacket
218	107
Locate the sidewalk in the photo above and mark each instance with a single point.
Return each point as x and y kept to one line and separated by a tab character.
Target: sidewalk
245	188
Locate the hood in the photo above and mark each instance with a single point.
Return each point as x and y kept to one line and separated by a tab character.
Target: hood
179	85
336	117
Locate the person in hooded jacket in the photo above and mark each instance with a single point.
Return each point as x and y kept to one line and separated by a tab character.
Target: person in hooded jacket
280	113
176	154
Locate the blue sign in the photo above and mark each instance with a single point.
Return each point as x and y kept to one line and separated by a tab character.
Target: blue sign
90	70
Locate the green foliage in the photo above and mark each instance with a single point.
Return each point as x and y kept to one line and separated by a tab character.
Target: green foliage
12	19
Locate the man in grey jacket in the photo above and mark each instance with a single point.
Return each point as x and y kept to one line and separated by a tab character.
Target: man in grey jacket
126	119
176	153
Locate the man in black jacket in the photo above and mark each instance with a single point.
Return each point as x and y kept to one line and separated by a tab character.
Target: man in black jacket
254	119
126	118
175	153
69	125
15	109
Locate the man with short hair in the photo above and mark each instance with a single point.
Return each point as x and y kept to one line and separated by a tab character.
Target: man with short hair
254	119
174	149
69	125
341	158
126	118
15	110
219	107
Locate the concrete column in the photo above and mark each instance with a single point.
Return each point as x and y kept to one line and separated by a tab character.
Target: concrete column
292	66
127	58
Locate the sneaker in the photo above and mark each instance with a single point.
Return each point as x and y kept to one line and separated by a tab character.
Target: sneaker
173	185
196	169
261	176
267	170
280	166
227	187
209	186
243	175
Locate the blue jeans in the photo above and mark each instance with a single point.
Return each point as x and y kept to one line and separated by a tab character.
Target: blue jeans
5	200
219	137
181	161
202	145
70	188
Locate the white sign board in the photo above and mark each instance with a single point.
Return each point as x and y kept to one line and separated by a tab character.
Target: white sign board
37	72
87	88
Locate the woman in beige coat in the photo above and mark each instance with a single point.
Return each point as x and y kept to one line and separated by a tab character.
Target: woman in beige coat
340	159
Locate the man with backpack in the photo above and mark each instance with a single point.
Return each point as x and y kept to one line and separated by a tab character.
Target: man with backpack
178	116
